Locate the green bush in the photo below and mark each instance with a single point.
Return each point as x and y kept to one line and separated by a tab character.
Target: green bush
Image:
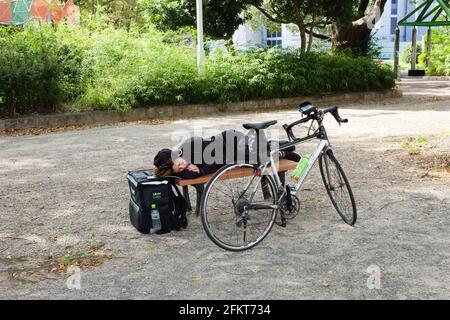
440	53
154	74
40	68
29	71
405	56
101	67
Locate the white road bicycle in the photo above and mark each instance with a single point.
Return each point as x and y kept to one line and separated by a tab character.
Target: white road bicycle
238	211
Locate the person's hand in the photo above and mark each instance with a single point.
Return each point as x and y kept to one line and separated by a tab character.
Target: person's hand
193	167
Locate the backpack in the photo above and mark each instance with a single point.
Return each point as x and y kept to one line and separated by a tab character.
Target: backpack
148	193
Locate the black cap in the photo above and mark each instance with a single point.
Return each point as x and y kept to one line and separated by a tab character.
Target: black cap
163	159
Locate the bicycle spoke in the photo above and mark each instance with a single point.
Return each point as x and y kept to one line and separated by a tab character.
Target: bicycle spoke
224	211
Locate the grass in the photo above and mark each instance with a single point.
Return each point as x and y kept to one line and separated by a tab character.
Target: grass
90	257
92	254
414	145
427	155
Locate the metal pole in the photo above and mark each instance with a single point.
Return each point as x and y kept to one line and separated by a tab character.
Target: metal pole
414	48
200	49
396	52
428	47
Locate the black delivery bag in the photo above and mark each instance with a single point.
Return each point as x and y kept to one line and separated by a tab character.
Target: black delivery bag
148	193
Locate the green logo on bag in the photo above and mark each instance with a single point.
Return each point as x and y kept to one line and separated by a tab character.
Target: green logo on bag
156	195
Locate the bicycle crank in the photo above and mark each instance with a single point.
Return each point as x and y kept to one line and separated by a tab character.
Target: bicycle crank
292	211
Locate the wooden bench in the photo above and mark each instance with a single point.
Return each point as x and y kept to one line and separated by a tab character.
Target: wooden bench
199	183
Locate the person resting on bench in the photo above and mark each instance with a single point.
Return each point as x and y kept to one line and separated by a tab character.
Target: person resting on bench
197	156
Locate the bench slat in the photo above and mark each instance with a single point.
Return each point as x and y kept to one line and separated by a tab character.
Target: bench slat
284	165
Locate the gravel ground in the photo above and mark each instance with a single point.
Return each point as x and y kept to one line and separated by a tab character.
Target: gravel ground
66	193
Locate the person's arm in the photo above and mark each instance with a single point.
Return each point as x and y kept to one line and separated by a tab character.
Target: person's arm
191	172
208	168
188	174
289	155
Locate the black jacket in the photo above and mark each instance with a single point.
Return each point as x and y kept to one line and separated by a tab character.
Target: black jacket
192	152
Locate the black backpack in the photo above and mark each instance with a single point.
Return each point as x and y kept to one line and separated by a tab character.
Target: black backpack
149	191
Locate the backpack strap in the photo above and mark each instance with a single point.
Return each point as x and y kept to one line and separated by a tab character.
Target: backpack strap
180	206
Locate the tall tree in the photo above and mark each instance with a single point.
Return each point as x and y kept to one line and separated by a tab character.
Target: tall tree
307	15
354	35
351	21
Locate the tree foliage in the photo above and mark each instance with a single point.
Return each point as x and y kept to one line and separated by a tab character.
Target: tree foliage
440	53
220	17
308	15
347	23
121	13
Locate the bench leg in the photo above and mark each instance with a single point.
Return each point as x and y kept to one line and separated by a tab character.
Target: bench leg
186	196
283	178
199	188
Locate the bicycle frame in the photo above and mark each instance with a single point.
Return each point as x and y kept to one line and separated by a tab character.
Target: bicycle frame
322	146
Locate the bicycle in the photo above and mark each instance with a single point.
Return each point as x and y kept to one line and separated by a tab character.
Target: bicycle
258	198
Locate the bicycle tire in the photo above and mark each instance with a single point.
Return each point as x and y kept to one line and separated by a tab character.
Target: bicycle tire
206	219
350	219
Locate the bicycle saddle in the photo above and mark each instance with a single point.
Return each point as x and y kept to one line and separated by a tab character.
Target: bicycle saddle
259	125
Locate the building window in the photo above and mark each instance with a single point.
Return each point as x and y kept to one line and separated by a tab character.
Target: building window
276	34
394	6
273	38
393	25
273	43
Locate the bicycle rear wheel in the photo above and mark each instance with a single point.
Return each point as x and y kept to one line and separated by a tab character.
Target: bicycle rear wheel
224	207
338	187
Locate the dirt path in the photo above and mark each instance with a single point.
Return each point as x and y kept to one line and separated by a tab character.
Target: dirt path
64	197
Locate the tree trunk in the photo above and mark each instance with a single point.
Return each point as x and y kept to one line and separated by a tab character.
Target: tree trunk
303	43
310	39
354	37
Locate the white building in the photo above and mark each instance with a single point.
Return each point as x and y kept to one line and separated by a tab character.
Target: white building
245	36
384	32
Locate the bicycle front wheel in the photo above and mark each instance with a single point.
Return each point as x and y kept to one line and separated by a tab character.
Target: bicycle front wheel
225	209
338	187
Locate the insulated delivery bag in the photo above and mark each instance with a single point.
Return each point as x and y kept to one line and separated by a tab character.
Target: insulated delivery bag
154	206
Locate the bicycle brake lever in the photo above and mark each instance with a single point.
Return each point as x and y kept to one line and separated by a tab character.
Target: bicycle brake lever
338	118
